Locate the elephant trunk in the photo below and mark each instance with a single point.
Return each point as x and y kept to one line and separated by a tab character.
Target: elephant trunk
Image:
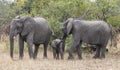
11	44
63	44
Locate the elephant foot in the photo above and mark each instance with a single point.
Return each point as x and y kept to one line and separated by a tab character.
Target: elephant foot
62	58
54	57
57	58
34	57
70	57
31	57
79	58
45	57
102	57
95	57
11	56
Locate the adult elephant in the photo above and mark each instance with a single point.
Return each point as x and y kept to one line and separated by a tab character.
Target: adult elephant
32	31
91	32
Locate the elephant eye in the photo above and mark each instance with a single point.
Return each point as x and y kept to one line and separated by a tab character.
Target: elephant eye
17	28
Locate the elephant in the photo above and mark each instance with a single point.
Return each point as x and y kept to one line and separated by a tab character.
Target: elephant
32	31
94	32
57	48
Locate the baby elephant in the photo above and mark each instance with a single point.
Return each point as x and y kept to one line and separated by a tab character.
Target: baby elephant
57	48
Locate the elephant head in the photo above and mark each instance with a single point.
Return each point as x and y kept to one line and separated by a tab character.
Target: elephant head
19	26
16	27
66	30
67	27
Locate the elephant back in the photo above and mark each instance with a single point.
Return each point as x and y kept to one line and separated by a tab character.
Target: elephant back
42	21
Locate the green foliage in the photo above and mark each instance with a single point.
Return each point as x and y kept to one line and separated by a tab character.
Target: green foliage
7	12
115	21
57	11
68	42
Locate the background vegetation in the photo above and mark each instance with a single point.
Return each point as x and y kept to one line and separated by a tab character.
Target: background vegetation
57	11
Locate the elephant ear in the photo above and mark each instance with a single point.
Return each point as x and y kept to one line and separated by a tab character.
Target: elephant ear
17	22
27	25
69	25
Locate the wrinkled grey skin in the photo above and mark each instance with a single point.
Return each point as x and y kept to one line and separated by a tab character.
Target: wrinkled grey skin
57	48
32	31
91	32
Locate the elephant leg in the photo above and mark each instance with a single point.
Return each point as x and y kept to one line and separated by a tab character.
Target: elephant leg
61	53
75	43
79	51
54	53
70	52
63	45
29	44
45	50
98	48
30	50
11	46
103	49
21	47
36	51
57	55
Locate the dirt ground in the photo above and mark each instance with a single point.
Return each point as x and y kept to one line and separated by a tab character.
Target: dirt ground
111	62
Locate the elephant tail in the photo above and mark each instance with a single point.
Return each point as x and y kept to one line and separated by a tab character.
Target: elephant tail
111	37
53	34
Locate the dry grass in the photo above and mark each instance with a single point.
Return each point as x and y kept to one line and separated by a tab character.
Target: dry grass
111	62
